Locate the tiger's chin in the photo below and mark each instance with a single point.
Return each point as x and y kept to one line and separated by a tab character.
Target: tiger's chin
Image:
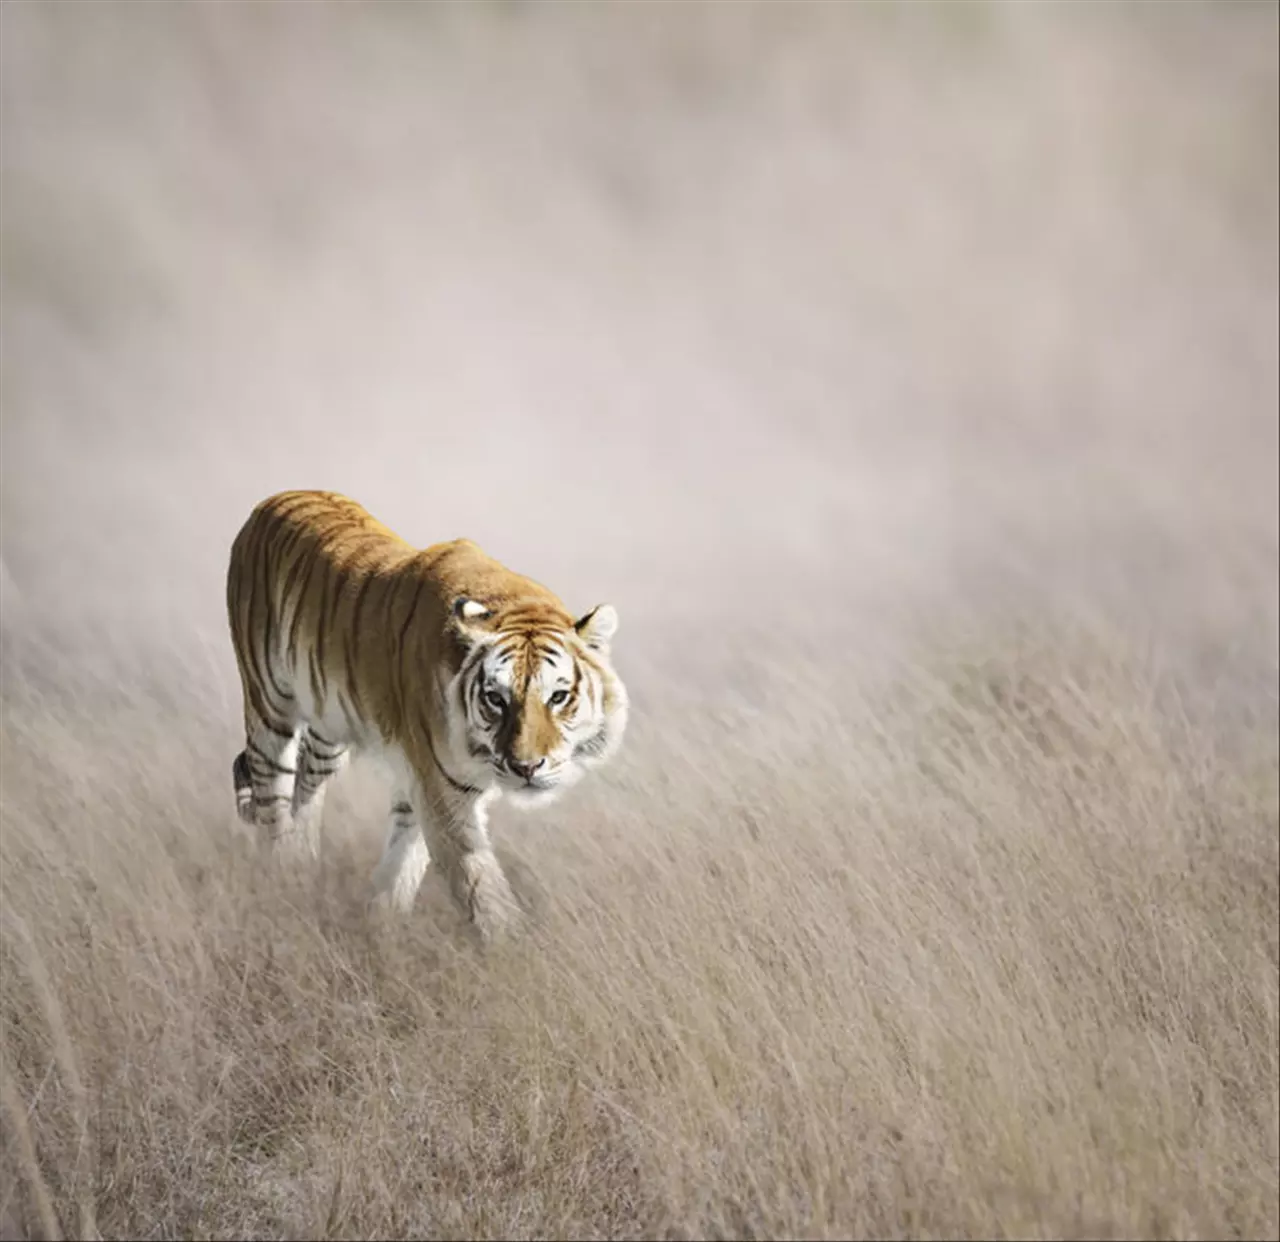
528	797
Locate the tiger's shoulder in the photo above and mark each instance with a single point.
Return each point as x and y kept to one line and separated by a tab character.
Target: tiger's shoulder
465	571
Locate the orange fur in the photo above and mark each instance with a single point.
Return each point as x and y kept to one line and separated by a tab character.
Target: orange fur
347	635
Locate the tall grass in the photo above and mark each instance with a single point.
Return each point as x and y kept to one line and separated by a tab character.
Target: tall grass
906	374
1000	958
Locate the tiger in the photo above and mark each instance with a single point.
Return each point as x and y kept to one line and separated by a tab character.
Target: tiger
472	682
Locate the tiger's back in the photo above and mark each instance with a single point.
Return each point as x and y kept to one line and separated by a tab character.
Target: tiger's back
315	588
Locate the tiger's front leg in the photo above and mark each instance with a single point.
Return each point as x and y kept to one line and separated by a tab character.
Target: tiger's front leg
404	861
459	838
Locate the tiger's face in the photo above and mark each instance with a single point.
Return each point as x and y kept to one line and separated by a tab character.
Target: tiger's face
541	701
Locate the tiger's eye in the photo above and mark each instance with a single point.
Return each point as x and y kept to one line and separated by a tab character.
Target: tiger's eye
559	697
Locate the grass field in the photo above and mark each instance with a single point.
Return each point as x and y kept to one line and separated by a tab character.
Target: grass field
906	375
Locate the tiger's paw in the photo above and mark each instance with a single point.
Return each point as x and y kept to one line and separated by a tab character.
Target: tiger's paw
294	844
492	908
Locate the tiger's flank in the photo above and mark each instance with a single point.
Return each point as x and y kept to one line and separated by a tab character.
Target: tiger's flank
473	682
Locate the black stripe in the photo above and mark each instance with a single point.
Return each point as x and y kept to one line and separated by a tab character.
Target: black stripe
353	637
278	730
431	747
351	721
323	767
312	558
398	652
290	505
402	808
254	555
468	673
268	648
324	604
317	679
258	753
341	578
267	566
299	563
413	607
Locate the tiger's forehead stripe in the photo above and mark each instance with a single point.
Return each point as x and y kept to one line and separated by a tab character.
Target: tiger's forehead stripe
527	649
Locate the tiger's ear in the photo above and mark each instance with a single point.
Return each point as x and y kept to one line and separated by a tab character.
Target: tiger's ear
598	627
469	617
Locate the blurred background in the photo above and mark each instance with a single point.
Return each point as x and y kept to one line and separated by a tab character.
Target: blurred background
783	326
905	374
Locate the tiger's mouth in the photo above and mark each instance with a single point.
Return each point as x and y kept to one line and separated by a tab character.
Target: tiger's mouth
544	778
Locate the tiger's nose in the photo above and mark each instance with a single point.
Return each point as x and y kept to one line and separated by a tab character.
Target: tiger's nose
525	769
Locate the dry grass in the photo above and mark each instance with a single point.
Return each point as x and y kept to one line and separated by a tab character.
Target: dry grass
1013	970
917	407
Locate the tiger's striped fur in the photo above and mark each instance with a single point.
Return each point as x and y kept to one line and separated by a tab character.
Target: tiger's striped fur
472	681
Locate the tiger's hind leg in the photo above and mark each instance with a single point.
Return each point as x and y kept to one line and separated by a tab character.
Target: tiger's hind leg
319	760
264	774
405	859
243	782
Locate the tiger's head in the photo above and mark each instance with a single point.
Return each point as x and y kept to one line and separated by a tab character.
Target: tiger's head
540	701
